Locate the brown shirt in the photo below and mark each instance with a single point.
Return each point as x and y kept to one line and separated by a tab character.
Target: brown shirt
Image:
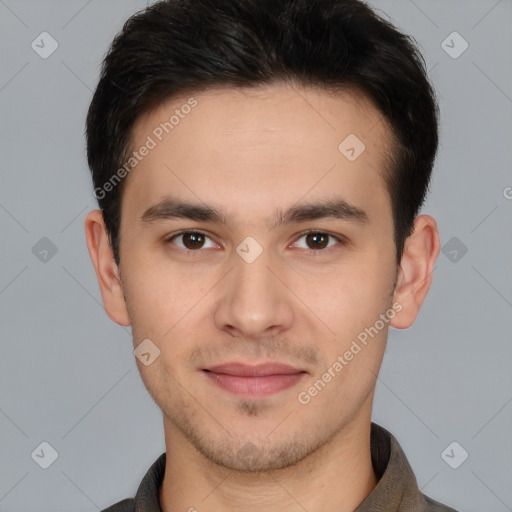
396	489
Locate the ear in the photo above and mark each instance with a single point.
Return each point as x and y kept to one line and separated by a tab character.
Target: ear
415	274
107	272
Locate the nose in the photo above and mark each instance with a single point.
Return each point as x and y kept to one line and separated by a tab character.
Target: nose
255	302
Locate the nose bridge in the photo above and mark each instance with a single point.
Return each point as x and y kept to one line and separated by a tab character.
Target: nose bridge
253	300
252	277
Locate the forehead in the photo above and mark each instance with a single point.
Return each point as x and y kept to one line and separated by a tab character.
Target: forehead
301	111
260	147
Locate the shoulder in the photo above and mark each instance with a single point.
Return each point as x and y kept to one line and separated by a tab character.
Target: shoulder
127	505
434	506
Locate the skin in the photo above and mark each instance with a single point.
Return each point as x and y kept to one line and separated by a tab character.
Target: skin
250	151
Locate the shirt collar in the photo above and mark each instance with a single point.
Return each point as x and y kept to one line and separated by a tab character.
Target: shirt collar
396	489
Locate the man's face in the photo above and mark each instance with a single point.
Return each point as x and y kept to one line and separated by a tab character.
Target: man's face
253	291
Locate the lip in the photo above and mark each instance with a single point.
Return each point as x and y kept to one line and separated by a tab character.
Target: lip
260	370
254	381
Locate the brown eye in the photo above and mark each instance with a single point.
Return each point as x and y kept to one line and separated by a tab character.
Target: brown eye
193	240
190	240
317	240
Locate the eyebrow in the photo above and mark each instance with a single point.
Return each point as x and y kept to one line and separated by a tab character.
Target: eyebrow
338	208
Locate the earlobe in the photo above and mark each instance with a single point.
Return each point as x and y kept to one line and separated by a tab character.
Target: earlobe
415	272
107	272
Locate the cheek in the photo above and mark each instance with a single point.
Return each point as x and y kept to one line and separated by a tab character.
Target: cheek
351	296
151	299
167	306
158	291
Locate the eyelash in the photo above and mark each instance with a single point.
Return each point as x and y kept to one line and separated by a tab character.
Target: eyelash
314	252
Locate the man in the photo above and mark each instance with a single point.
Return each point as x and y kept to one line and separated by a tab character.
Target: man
259	166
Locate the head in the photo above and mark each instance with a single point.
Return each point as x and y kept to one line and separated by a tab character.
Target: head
250	124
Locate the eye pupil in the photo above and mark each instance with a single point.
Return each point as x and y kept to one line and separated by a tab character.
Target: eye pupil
196	239
316	238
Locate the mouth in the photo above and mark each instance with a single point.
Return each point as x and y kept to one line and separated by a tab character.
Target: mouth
257	381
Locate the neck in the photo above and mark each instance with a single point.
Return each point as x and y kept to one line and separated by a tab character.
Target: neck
337	476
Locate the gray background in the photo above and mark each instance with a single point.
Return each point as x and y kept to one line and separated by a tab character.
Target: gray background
68	374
